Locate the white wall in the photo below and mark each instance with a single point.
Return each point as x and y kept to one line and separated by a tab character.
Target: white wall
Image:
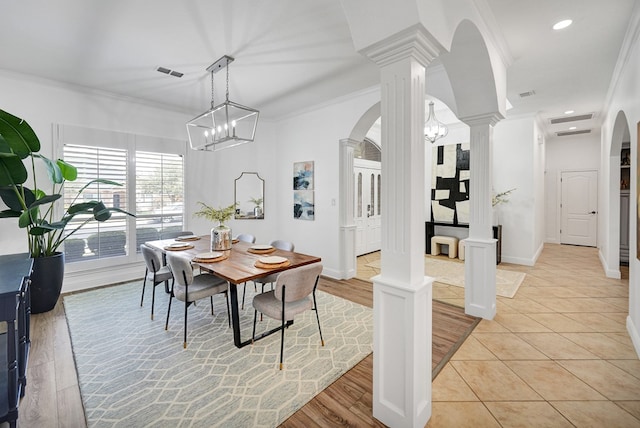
571	153
625	98
514	163
314	136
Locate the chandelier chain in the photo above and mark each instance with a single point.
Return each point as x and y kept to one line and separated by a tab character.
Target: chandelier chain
227	81
212	91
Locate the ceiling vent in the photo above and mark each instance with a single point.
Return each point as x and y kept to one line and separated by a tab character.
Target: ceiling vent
577	132
169	72
527	94
566	119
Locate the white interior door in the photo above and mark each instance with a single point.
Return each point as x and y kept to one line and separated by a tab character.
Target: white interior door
367	181
579	196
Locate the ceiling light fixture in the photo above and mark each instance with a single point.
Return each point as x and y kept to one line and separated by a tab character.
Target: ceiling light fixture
225	125
434	129
569	112
562	24
571	128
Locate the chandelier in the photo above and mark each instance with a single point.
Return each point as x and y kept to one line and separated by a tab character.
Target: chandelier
434	129
224	125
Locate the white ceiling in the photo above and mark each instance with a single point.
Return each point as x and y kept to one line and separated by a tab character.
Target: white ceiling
290	53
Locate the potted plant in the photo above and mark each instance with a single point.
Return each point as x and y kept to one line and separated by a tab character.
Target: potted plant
257	210
34	207
221	234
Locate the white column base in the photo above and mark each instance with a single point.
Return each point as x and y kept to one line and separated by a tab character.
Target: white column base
348	258
402	352
480	278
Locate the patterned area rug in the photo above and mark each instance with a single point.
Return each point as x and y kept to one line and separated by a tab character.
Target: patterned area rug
452	273
133	373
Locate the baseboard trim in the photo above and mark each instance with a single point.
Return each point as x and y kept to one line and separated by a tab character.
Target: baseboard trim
633	333
609	273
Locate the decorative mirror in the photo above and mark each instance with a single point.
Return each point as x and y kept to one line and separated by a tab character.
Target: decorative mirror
249	196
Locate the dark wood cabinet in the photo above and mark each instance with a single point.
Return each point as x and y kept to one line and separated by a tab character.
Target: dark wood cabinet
430	229
15	313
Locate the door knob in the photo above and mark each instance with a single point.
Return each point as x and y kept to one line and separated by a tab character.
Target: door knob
592	212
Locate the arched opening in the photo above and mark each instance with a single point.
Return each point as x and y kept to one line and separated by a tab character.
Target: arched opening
619	186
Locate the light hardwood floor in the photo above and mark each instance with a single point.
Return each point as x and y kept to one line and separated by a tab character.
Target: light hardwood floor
557	354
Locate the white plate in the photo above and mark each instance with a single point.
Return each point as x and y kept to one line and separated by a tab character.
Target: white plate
179	245
272	260
187	238
261	247
209	255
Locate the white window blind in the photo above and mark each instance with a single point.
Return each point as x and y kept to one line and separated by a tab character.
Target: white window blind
97	240
159	195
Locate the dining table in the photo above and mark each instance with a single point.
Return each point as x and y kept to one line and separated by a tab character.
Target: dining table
242	263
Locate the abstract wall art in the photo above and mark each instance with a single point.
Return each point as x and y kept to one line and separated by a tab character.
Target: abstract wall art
450	184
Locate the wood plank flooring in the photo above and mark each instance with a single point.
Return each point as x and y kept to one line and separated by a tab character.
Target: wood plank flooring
53	396
349	400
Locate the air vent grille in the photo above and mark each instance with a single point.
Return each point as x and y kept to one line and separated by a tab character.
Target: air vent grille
578	132
527	94
169	72
566	119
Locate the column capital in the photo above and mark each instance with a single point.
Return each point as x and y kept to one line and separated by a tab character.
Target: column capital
413	42
490	119
349	142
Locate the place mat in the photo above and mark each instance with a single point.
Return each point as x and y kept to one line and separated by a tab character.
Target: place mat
265	251
221	257
187	238
186	247
261	265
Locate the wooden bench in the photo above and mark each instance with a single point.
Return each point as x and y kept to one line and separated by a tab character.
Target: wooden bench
439	240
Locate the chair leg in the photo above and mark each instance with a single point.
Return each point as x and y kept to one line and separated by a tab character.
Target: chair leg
282	329
315	308
144	283
166	325
255	317
186	305
211	297
153	298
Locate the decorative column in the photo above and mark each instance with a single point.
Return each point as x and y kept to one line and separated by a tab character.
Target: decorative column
480	247
347	223
402	293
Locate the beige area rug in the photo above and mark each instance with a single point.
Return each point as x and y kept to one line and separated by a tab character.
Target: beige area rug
133	373
452	273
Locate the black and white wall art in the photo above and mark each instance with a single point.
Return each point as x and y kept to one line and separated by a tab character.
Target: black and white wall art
450	184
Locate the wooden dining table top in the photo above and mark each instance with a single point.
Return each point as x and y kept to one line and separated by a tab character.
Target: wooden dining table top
240	265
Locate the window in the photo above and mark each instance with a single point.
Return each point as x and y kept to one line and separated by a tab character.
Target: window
94	239
151	172
159	195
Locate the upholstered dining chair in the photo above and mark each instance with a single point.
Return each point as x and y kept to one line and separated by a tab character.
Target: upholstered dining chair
188	288
269	279
155	273
246	237
294	293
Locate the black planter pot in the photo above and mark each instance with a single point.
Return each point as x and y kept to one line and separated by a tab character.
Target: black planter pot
46	282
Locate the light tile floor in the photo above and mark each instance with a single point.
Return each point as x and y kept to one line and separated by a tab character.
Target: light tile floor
556	355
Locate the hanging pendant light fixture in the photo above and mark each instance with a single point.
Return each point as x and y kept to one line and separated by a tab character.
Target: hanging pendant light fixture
225	125
434	129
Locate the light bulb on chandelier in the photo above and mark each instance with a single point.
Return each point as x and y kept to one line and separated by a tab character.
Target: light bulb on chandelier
433	128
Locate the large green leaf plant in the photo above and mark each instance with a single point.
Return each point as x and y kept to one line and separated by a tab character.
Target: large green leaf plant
33	207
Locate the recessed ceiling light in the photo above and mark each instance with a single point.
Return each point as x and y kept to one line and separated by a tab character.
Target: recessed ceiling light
569	112
562	24
572	128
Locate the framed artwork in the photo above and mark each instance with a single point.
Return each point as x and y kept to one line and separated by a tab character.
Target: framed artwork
303	205
303	175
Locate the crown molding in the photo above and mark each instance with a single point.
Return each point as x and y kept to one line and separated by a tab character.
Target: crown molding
493	31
